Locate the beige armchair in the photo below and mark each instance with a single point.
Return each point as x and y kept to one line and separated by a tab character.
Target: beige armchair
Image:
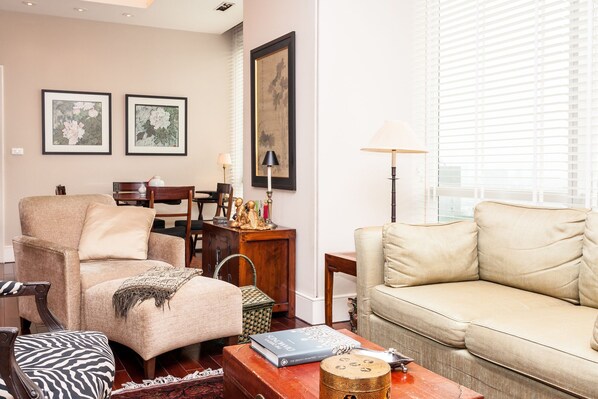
47	250
82	295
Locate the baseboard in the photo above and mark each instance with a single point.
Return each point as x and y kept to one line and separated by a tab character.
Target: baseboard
8	255
311	309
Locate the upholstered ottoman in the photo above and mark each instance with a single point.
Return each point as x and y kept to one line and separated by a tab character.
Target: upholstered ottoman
202	309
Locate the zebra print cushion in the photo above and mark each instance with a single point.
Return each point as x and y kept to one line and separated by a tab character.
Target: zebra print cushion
66	364
10	287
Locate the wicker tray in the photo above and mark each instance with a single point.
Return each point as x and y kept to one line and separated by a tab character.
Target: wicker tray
257	306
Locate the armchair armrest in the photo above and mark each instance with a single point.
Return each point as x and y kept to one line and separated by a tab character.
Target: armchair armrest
370	269
40	291
16	381
38	259
169	249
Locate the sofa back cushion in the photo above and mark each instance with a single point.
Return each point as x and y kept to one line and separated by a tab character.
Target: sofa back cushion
588	273
532	248
429	253
57	218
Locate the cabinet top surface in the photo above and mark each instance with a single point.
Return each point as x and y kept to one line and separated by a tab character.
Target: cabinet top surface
226	227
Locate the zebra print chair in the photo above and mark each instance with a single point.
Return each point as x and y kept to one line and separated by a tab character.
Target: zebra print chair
57	364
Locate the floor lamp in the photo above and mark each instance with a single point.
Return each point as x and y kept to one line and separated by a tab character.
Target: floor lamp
394	137
224	161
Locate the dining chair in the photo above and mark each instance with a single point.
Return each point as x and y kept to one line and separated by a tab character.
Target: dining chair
169	195
133	187
224	193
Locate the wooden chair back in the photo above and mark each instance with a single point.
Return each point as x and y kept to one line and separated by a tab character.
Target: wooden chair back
224	192
167	194
127	186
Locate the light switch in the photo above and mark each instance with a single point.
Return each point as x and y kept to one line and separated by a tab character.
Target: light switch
17	151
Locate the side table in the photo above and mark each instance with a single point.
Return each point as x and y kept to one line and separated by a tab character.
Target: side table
343	262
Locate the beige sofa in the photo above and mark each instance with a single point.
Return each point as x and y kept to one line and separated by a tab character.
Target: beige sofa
506	304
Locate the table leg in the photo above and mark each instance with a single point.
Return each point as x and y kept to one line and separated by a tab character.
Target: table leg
328	289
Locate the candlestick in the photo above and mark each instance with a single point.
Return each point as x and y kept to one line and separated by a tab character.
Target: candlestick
269	178
269	221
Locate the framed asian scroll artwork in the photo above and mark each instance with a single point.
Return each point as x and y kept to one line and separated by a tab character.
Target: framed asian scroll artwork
76	122
155	125
273	111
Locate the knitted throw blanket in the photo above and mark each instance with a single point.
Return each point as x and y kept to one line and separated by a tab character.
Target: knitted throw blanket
159	283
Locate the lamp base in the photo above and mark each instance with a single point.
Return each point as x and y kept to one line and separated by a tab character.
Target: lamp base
271	225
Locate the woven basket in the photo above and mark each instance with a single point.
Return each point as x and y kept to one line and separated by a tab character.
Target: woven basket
257	306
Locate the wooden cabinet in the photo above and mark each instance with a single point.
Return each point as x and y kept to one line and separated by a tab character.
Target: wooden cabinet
272	252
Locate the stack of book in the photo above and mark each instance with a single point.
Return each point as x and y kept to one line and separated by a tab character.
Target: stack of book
301	345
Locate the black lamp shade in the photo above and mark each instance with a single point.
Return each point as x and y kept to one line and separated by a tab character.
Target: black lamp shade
270	159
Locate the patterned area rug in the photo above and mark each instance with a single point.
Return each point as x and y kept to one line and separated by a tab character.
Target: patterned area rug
207	384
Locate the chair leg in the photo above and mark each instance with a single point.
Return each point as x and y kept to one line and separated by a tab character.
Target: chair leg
149	368
25	326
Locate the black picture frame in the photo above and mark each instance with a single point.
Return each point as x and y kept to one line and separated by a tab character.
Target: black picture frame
273	111
76	123
143	128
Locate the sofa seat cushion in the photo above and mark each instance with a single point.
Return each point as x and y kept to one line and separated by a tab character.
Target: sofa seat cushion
96	272
76	364
550	344
443	312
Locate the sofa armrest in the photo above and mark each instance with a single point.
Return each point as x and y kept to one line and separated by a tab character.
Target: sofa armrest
41	260
169	249
370	272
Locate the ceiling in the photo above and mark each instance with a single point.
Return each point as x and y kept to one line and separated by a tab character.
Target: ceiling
187	15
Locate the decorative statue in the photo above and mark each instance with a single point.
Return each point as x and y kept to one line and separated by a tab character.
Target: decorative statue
254	221
247	217
240	217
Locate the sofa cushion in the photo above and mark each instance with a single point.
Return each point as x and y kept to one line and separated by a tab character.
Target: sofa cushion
97	271
442	312
429	253
594	341
115	232
588	272
541	344
535	249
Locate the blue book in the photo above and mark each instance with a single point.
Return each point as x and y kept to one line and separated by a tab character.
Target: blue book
301	345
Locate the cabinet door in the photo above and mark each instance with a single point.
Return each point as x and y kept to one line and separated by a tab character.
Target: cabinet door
271	262
217	246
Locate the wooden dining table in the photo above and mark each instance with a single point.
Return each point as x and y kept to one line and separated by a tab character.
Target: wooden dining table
202	197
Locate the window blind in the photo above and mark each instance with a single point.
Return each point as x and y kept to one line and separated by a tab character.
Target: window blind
509	103
236	123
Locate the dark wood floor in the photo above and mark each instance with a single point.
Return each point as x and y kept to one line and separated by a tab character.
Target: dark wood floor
178	363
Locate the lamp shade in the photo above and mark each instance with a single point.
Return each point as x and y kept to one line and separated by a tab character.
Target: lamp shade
270	159
224	159
395	136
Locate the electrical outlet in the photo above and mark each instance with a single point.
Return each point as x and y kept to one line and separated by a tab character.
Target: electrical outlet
17	151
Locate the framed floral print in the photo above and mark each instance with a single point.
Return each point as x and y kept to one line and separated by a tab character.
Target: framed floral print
76	122
273	111
156	125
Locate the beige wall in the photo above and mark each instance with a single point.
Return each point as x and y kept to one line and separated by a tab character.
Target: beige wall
67	54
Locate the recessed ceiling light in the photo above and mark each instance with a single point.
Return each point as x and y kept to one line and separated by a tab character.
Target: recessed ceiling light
28	3
224	6
78	9
126	14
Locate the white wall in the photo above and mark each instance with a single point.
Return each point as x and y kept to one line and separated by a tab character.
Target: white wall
263	21
362	55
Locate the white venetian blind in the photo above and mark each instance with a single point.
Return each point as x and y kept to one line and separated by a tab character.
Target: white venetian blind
511	101
236	133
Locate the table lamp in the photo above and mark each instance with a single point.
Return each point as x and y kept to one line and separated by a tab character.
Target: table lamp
269	161
394	137
224	161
